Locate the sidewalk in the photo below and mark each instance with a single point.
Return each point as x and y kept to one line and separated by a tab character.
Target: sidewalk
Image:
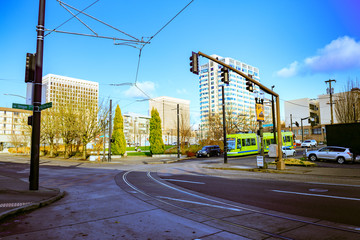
17	198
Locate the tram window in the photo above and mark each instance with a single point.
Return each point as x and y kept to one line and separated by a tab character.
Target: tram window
253	142
239	144
243	142
247	142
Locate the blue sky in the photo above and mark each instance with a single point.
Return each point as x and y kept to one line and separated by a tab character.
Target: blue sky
297	45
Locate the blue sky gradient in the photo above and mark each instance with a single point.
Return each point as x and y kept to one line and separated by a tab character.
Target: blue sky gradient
297	45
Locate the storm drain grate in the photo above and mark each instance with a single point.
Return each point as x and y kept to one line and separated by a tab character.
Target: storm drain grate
7	205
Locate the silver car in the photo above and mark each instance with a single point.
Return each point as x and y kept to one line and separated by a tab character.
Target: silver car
339	154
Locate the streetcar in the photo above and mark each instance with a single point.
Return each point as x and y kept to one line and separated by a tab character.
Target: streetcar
241	144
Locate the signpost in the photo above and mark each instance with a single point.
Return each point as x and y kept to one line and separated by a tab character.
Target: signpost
260	161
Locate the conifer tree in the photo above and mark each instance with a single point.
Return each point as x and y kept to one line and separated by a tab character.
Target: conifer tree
156	142
118	147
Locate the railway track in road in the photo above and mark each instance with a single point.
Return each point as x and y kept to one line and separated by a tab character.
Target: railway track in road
242	220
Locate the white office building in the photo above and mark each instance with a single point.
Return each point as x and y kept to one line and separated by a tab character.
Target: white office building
239	101
65	90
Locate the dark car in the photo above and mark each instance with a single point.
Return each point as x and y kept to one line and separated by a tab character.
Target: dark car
207	151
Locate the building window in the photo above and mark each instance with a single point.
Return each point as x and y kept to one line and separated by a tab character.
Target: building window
316	131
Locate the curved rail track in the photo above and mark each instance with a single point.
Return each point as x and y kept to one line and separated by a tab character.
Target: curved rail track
228	216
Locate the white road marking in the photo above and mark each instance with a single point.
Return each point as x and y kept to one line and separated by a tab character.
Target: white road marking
177	180
317	195
334	184
200	203
318	190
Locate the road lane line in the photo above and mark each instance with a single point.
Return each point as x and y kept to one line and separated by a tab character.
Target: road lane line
200	203
334	184
177	180
317	195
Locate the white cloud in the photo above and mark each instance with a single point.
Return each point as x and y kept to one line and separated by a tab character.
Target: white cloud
146	88
339	55
290	71
182	91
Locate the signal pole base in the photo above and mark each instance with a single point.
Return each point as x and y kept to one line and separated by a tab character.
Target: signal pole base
280	165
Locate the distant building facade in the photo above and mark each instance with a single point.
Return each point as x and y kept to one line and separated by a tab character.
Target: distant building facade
136	129
61	90
13	123
167	108
316	110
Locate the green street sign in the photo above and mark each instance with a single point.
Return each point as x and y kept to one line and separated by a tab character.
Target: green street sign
45	106
22	106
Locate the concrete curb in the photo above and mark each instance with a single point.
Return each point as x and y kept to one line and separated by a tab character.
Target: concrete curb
32	206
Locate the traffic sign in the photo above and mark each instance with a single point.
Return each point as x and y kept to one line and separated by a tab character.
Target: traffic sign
22	106
45	106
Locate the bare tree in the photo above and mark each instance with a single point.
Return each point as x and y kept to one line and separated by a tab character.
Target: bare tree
184	127
89	124
68	126
347	103
15	139
49	128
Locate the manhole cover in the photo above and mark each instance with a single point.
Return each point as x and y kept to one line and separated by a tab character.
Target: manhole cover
317	190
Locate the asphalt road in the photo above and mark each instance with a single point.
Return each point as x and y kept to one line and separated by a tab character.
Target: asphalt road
100	204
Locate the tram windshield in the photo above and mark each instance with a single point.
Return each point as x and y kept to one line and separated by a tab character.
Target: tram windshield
231	143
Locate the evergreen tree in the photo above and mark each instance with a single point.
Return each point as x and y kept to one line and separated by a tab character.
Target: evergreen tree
156	142
118	147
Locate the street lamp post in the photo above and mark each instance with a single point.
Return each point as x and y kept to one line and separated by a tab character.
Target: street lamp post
9	94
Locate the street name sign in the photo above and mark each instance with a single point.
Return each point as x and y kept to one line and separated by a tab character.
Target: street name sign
45	106
22	106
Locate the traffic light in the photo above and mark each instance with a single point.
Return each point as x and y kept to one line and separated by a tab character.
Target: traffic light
225	75
297	124
194	63
249	86
30	67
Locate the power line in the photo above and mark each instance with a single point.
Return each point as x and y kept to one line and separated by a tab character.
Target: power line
70	18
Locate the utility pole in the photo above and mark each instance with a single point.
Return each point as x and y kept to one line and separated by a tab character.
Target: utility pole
224	124
273	113
291	122
104	140
330	91
36	122
178	131
110	131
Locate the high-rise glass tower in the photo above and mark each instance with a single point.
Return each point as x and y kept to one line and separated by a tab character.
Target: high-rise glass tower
239	102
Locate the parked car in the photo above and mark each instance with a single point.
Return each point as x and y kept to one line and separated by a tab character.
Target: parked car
309	143
298	143
207	151
339	154
287	151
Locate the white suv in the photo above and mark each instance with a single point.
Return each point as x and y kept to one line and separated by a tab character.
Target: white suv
309	143
339	154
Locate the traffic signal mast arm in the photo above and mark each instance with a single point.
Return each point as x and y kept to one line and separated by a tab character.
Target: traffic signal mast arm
262	87
280	165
